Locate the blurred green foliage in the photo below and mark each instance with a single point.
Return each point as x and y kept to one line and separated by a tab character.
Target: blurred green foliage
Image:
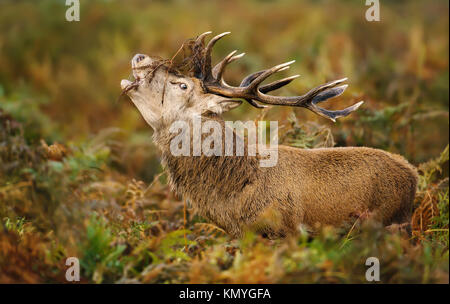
70	151
98	254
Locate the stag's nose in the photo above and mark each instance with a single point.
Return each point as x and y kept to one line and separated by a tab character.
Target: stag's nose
138	58
139	64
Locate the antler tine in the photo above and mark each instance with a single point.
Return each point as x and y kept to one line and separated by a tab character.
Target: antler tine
277	84
198	60
266	73
247	80
219	68
324	87
268	87
201	37
333	115
207	73
330	93
213	41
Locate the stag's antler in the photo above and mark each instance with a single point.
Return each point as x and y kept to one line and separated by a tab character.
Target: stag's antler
251	89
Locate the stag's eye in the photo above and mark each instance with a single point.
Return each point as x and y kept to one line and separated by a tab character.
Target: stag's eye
182	85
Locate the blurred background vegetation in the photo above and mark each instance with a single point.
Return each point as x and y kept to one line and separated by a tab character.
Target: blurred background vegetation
71	148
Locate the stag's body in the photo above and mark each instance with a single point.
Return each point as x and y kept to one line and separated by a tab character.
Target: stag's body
306	188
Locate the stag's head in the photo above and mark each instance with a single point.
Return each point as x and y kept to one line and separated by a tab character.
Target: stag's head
163	94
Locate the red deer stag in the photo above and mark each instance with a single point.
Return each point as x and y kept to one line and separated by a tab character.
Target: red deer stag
306	188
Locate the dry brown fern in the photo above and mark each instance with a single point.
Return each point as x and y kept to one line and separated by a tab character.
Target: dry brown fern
209	229
56	151
23	259
422	218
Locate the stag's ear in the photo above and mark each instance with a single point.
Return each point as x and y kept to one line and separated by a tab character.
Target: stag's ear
218	104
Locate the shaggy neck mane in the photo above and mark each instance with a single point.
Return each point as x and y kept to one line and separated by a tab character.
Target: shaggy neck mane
207	179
